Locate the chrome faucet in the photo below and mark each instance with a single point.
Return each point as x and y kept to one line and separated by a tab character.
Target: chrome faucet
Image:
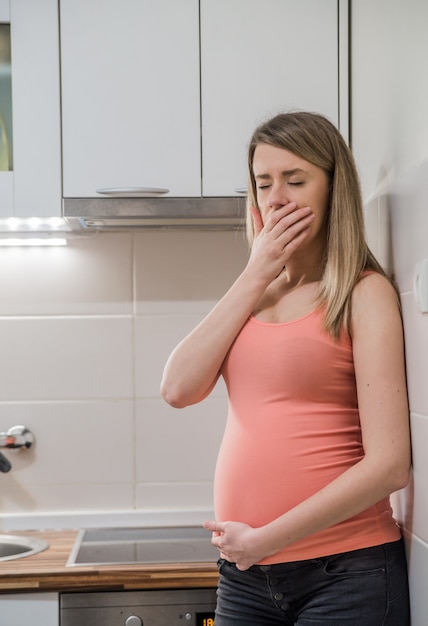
15	437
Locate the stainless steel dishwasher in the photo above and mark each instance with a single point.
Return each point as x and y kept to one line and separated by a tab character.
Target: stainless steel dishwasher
174	607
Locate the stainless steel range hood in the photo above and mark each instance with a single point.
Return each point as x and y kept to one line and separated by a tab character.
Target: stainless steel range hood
110	214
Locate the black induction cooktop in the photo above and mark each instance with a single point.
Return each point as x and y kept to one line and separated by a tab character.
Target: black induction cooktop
178	544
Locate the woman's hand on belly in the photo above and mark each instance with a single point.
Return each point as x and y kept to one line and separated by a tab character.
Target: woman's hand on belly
237	542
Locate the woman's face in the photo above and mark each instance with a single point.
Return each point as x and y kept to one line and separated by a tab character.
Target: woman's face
282	177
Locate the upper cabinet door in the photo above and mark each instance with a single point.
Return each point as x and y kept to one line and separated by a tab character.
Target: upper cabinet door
130	97
259	59
30	152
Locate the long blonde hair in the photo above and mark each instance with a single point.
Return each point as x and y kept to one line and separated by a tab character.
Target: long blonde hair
315	139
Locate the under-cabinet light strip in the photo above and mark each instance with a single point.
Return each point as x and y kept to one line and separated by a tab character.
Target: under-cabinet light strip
33	241
29	224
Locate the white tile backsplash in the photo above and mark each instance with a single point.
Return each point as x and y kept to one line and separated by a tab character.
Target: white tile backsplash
66	358
85	332
90	276
176	497
75	442
155	338
185	269
83	456
178	445
53	500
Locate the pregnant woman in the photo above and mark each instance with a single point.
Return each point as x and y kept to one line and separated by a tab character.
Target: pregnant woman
309	341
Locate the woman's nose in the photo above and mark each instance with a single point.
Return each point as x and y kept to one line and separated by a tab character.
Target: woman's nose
277	198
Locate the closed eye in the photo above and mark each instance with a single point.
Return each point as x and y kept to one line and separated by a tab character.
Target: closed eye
296	184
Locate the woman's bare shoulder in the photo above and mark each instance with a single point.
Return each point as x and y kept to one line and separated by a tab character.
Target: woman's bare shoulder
374	299
374	285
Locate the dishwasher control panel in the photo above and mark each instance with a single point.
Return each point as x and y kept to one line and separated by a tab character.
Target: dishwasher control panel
169	607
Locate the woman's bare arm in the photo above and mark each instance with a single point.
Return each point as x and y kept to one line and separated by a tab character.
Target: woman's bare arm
193	367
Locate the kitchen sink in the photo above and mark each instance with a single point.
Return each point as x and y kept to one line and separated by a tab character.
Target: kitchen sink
16	547
178	544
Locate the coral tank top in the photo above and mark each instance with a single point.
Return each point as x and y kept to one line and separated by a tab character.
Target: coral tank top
293	426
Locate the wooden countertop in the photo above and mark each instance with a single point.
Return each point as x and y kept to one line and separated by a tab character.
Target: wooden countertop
47	571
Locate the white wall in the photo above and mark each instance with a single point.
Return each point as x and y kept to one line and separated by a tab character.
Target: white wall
390	143
85	331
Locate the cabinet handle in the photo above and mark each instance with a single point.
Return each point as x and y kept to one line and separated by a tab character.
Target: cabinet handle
133	191
242	190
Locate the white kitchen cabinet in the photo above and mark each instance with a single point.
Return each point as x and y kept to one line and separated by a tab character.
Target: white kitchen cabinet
22	609
32	184
165	93
259	58
130	95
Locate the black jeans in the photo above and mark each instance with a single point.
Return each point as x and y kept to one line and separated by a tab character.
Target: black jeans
365	587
